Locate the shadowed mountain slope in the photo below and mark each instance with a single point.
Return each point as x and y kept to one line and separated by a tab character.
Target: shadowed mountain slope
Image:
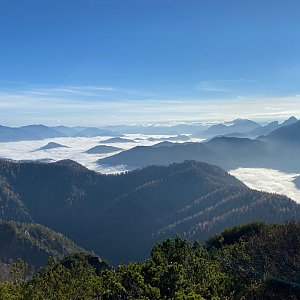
32	243
279	150
227	152
165	153
289	134
121	216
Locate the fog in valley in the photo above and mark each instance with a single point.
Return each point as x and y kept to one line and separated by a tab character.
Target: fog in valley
269	180
263	179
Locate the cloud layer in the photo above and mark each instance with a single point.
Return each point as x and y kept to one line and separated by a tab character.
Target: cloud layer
26	150
269	180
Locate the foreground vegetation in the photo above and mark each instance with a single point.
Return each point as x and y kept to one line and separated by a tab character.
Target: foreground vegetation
253	261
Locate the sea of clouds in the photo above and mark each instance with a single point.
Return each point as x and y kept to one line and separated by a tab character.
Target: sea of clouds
257	178
269	180
26	150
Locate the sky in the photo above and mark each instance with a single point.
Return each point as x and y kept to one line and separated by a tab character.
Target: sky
95	62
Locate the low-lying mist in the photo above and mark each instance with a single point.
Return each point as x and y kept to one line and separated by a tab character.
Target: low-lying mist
76	147
269	180
264	179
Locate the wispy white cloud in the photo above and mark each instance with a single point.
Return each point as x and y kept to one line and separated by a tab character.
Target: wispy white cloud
225	86
70	90
112	105
81	92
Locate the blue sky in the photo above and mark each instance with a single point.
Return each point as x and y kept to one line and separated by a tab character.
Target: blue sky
115	61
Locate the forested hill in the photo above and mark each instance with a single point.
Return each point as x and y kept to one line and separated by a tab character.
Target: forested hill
121	216
33	243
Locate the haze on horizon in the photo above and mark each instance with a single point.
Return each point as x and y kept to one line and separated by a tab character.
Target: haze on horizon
106	62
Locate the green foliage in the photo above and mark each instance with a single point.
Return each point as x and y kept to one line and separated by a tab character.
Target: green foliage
19	268
234	234
271	253
262	265
59	282
14	290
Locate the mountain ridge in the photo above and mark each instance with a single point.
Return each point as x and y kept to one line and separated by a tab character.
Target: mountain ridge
228	152
112	214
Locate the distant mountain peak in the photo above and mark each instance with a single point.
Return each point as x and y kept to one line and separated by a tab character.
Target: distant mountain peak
239	126
290	121
117	140
242	121
102	149
289	133
52	145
